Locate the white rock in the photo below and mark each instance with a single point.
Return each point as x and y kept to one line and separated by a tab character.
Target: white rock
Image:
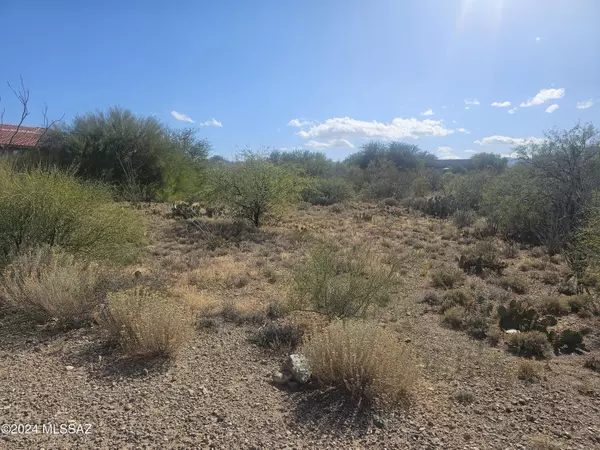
511	331
297	366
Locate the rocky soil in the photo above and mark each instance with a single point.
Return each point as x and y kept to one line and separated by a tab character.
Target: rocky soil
219	392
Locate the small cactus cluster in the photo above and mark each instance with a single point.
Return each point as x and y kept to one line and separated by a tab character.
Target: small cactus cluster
524	318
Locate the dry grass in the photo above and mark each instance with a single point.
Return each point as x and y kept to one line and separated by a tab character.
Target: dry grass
365	360
46	283
529	371
146	323
447	277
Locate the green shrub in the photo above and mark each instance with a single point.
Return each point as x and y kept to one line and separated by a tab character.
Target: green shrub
513	284
454	317
481	258
557	306
391	201
457	297
49	207
328	191
529	371
584	305
277	336
254	188
446	277
463	218
46	283
146	323
341	283
363	359
530	344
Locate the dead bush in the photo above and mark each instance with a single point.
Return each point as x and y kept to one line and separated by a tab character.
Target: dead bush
447	277
47	283
146	323
363	359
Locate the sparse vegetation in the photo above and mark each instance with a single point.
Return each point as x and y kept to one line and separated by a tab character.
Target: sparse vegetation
47	283
363	359
447	277
146	323
341	283
530	343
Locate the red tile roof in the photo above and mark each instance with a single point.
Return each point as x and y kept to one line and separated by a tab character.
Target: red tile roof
25	137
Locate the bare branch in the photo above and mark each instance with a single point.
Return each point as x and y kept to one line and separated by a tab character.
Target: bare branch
23	97
47	124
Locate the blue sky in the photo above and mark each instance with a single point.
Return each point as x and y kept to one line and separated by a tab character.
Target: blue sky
324	74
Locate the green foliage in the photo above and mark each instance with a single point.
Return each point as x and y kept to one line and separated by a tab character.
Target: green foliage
481	258
446	277
51	207
489	161
519	315
254	187
311	164
514	284
567	341
420	187
454	317
402	155
341	282
137	154
327	191
466	189
516	203
463	218
457	297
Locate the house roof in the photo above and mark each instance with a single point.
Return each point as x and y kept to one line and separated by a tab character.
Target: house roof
25	137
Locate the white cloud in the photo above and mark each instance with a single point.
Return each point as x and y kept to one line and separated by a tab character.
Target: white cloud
298	123
512	111
462	130
429	112
332	143
538	39
446	153
347	128
211	123
473	102
501	104
182	117
543	96
469	151
550	109
585	104
505	140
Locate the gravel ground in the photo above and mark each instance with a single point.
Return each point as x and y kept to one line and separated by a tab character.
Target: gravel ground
218	392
